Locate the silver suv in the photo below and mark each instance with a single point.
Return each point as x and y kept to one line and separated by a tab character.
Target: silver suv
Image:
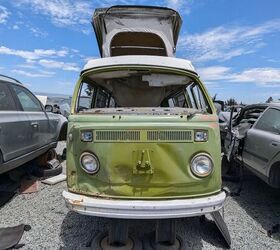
26	129
261	152
254	140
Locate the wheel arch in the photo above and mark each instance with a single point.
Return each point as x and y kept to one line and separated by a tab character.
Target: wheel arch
63	132
274	175
1	157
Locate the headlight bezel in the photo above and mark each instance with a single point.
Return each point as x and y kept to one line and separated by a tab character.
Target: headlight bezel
205	134
83	137
96	160
196	173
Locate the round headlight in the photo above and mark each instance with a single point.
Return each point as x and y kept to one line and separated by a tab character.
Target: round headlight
89	163
201	165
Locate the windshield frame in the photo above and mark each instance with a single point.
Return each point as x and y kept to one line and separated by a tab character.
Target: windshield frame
157	69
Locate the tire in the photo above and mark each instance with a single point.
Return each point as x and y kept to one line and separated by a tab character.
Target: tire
47	172
49	155
99	240
63	133
274	176
149	244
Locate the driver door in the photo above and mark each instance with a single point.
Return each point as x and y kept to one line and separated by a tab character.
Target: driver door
38	131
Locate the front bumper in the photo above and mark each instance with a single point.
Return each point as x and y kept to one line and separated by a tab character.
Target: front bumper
143	209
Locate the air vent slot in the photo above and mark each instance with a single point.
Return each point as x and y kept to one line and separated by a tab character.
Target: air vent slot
143	136
169	135
117	135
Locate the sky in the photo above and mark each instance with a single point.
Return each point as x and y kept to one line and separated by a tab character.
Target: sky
234	45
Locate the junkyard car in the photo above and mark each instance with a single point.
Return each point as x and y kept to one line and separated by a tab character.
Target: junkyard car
26	130
224	121
255	141
59	105
143	135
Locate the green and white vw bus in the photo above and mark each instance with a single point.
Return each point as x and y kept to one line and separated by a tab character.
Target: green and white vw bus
143	134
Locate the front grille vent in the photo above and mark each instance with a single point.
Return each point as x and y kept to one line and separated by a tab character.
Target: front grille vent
117	135
169	135
143	136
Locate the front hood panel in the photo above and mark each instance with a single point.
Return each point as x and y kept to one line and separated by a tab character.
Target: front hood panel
153	164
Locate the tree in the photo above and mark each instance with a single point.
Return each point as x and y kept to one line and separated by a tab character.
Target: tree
231	102
270	99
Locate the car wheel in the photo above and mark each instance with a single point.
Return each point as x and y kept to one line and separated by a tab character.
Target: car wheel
53	168
100	241
274	176
44	158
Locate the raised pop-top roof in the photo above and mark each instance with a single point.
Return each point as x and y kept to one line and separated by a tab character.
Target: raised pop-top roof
136	30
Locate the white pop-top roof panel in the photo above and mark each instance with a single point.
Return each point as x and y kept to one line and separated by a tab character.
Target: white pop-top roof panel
170	62
163	22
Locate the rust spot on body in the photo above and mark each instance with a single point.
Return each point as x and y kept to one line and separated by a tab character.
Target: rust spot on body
77	202
214	125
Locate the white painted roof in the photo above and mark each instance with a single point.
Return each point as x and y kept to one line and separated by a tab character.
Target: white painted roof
160	61
118	20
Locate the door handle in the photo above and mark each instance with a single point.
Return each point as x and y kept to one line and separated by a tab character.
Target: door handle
34	124
275	144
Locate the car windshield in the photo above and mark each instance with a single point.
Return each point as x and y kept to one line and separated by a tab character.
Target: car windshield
142	90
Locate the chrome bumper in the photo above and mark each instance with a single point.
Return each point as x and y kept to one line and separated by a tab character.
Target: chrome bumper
143	209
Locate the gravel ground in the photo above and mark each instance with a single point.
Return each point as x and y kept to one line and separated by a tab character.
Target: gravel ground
248	217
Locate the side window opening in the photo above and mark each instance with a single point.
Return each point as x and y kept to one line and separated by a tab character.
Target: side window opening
269	121
27	100
199	100
6	100
92	96
102	98
112	103
171	103
249	116
190	97
180	100
85	97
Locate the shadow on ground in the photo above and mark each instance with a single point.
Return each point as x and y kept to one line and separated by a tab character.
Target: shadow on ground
78	230
260	201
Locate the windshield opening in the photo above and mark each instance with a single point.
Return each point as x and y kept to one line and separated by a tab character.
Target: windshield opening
140	89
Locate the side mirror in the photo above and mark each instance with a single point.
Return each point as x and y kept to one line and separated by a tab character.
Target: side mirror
49	108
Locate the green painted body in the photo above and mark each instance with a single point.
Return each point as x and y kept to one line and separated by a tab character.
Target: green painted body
122	174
